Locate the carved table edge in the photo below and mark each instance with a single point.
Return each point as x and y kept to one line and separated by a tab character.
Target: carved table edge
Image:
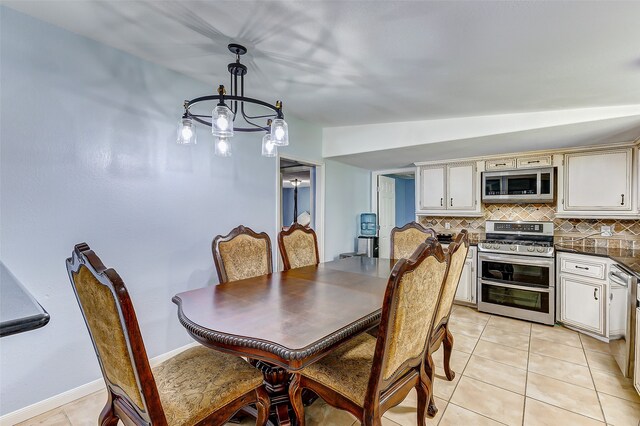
283	352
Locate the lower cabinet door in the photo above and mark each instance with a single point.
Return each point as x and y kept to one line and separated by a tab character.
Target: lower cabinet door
583	304
636	368
465	291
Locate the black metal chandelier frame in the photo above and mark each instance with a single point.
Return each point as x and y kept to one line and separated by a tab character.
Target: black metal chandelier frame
236	99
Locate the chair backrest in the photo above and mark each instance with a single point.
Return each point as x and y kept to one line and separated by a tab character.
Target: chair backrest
298	246
242	254
111	320
457	254
408	309
405	240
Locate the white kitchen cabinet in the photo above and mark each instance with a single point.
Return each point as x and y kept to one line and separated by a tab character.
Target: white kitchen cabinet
461	186
466	291
448	190
432	187
598	181
583	303
636	369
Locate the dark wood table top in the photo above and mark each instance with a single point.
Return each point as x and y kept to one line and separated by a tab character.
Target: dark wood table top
288	318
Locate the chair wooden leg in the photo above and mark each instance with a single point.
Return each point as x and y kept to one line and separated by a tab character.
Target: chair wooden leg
422	403
263	406
430	368
372	419
448	347
295	397
107	415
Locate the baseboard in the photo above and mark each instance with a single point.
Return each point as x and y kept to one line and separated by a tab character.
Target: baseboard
71	395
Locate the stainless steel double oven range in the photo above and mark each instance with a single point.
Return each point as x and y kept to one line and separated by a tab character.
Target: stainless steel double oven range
516	271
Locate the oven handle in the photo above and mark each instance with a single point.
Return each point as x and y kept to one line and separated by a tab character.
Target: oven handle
519	287
517	260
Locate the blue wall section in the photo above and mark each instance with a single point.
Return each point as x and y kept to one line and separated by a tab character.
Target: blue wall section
89	154
405	201
304	203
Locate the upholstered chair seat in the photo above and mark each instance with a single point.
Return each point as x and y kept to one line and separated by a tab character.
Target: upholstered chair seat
200	380
198	386
405	240
242	254
298	246
368	375
347	369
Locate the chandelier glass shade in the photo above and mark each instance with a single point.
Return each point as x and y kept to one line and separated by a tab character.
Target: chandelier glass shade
229	113
186	132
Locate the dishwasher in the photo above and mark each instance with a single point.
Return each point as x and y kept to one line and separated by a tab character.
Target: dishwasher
622	295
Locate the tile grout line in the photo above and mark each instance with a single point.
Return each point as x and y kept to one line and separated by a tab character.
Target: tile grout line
462	373
475	412
526	377
595	389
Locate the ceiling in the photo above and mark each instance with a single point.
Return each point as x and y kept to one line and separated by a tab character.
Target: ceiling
350	63
338	63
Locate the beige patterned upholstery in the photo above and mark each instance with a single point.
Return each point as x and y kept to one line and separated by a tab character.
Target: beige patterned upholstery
199	380
418	294
102	317
451	283
406	241
244	257
347	369
300	249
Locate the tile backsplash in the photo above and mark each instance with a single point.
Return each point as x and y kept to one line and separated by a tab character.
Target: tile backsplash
628	230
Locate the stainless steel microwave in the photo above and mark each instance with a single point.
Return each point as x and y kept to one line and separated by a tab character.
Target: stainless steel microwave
519	186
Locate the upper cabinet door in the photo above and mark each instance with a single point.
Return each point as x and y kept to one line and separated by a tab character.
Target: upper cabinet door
598	180
461	182
432	188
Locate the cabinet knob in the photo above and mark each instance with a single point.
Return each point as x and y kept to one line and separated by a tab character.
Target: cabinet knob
441	202
622	199
595	293
452	202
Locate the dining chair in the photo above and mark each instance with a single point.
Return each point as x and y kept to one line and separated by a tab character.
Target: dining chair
457	254
406	239
199	386
298	246
241	254
366	376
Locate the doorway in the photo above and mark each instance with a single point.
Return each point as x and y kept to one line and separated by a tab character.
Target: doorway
395	203
301	196
297	193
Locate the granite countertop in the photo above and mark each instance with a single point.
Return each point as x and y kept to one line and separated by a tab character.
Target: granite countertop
627	257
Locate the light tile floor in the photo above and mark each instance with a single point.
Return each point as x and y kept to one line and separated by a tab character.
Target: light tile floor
507	372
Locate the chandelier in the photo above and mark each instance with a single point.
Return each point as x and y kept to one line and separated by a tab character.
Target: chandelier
230	107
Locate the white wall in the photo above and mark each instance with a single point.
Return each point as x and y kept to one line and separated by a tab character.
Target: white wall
348	195
88	153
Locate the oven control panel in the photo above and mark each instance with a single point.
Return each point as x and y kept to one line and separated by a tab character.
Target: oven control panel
518	227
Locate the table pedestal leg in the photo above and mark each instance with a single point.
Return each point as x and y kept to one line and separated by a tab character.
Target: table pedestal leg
276	381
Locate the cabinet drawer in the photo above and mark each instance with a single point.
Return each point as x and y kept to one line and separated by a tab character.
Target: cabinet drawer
503	163
539	161
584	266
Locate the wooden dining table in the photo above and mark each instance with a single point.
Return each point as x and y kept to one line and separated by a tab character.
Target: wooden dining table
287	320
